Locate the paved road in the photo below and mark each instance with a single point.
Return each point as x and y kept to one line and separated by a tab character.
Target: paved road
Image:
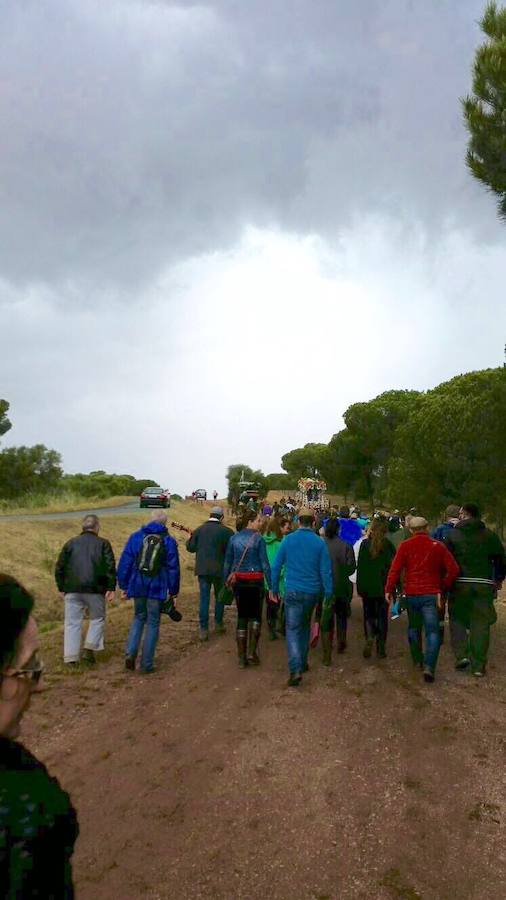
128	509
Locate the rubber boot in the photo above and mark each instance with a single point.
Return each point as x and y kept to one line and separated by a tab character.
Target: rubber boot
326	637
241	647
254	637
380	648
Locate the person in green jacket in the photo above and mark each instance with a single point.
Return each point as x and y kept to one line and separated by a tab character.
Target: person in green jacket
374	560
273	533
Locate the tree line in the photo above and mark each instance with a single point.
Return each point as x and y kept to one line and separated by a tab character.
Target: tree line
37	470
415	448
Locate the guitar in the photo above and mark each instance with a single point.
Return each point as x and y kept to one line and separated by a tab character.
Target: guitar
181	527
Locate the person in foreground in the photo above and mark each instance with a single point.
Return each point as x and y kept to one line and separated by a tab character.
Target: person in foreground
481	558
148	571
38	825
343	565
246	566
308	576
209	541
374	560
85	575
429	571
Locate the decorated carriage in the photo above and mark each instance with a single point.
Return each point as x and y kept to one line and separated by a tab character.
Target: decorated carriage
311	493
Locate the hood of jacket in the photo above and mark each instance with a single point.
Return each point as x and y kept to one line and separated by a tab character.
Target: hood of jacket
471	526
154	528
271	538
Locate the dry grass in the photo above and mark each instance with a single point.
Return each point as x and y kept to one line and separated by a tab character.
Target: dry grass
70	503
28	551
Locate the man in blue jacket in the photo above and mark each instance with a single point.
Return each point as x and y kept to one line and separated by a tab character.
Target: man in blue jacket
308	577
148	571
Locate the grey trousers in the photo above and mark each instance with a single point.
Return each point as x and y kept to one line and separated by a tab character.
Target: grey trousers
75	607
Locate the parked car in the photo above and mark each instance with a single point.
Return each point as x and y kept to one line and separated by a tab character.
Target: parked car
154	496
200	494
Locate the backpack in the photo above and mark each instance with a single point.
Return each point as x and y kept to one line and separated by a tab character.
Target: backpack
151	556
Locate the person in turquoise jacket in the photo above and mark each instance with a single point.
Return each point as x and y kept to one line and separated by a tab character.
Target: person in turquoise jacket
273	536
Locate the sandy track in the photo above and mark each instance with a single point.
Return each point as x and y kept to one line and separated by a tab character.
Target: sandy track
203	781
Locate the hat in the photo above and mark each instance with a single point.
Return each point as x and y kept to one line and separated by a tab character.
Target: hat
452	511
306	513
217	512
418	522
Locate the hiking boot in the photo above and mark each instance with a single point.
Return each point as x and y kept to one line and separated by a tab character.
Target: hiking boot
428	675
341	647
326	647
241	636
462	664
147	671
367	651
295	679
72	664
89	657
254	637
203	635
479	673
130	663
219	628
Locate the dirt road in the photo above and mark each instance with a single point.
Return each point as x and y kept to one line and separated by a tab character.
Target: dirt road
203	781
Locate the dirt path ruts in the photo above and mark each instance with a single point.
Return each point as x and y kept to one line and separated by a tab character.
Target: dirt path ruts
203	781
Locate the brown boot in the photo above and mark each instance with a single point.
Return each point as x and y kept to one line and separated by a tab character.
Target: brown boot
241	647
326	637
254	637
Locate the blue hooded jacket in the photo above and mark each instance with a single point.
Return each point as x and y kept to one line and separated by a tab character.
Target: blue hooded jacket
349	531
130	579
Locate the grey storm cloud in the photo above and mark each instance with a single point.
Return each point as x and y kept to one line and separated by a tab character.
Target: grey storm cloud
136	134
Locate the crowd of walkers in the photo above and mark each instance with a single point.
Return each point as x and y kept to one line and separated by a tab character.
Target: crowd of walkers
302	564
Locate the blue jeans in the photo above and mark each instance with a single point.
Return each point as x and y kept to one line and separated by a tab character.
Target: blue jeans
147	612
423	615
299	608
205	584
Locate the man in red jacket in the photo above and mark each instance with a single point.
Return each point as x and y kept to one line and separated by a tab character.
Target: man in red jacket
428	570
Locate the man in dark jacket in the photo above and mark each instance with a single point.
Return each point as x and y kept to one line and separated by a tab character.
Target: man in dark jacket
481	558
343	562
209	542
153	548
85	574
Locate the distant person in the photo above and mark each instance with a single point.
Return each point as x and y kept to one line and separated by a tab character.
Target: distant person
343	565
209	542
215	496
402	533
247	565
349	529
482	568
148	572
85	575
38	824
452	518
429	570
267	510
375	557
308	577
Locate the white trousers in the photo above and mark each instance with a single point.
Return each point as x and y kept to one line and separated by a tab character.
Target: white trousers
75	607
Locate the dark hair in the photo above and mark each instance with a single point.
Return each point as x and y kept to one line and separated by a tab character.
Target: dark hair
249	515
376	536
306	521
272	525
344	512
16	605
332	528
472	509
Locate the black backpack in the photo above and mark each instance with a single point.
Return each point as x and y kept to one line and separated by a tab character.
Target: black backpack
151	556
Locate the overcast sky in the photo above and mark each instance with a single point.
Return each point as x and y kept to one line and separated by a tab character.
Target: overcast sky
223	222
